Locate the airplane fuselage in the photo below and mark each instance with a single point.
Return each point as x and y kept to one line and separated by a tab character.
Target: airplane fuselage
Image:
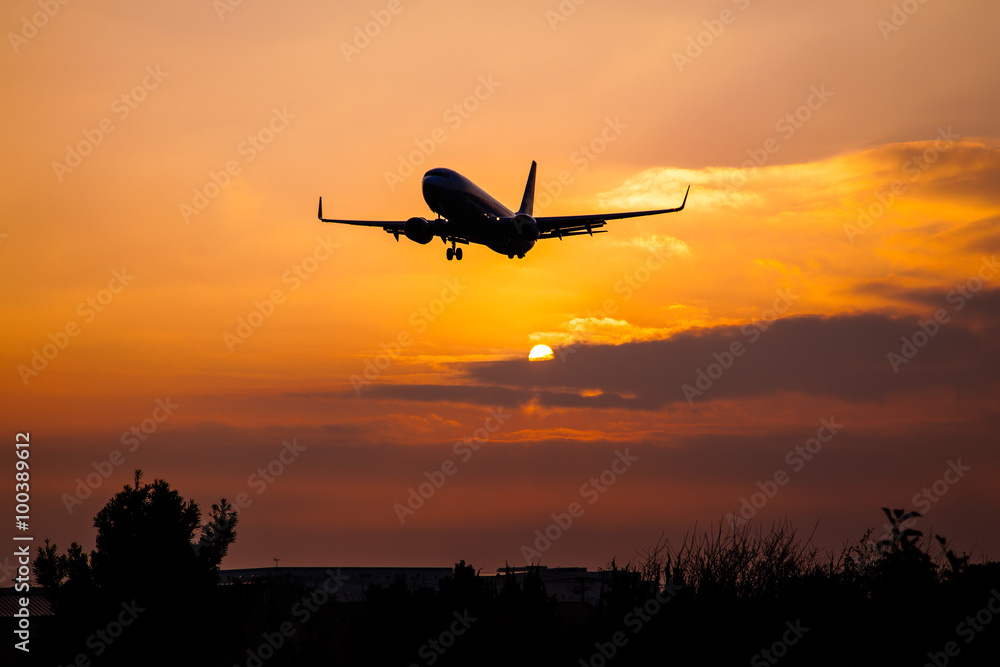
479	216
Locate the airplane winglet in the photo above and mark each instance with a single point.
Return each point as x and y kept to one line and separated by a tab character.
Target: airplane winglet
320	208
680	209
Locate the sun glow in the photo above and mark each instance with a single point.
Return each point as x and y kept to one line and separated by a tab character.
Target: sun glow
540	353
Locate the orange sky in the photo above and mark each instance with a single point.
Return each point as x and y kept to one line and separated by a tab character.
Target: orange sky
161	168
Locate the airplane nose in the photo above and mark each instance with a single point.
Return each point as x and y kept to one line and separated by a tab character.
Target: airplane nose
433	181
433	185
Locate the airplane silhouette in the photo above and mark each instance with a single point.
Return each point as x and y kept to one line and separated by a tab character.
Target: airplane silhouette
466	214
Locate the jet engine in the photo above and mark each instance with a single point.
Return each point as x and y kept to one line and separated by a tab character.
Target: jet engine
418	230
525	227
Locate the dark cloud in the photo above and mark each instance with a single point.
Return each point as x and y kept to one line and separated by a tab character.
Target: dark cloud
893	289
500	395
978	236
478	395
964	169
862	357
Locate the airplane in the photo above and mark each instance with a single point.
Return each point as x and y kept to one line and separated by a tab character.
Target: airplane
466	214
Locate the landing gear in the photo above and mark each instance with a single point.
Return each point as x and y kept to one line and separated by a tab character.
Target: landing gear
453	252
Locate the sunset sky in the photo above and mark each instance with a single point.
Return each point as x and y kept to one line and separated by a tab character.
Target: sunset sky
825	311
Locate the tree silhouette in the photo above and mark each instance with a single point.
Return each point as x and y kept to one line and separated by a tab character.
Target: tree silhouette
155	563
63	572
217	535
464	589
145	542
50	566
145	547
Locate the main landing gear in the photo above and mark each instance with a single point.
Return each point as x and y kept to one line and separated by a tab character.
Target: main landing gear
519	256
453	252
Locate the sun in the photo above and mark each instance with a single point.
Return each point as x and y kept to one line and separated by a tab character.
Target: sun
540	353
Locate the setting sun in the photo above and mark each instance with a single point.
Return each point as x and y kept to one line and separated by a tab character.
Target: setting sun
540	353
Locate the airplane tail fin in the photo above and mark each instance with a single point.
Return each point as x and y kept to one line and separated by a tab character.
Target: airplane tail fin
528	200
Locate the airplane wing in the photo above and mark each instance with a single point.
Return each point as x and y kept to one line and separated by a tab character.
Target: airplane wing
397	227
394	227
573	225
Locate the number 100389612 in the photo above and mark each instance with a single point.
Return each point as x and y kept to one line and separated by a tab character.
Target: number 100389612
22	444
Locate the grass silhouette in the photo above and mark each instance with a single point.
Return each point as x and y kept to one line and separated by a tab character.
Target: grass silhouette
728	594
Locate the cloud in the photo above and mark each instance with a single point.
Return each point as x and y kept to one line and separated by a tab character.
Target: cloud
597	330
661	246
863	357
